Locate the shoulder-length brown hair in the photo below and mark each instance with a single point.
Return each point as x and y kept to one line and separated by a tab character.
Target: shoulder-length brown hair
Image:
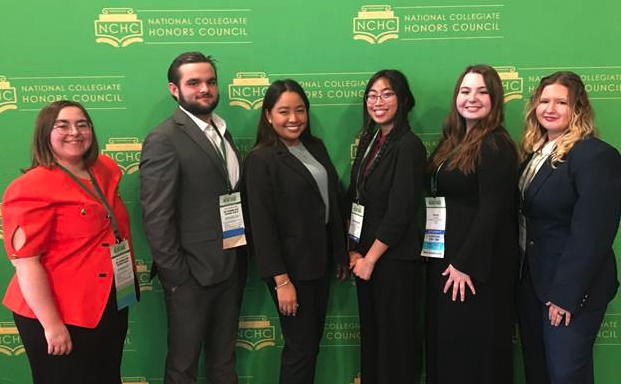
464	148
581	123
41	148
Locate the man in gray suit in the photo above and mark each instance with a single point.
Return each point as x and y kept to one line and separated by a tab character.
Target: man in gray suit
189	163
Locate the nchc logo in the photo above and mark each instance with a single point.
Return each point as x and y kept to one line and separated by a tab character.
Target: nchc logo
512	84
125	151
255	332
376	24
8	96
10	342
118	27
247	89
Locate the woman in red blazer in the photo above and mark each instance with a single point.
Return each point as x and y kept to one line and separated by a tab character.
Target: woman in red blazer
61	218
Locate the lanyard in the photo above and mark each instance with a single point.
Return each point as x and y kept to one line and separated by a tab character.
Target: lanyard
434	179
222	153
363	164
100	196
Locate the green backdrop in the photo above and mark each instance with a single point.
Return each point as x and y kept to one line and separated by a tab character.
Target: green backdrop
113	56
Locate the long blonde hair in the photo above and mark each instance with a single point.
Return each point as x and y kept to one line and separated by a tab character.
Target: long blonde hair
580	125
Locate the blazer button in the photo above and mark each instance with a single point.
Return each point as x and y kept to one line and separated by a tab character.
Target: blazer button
531	243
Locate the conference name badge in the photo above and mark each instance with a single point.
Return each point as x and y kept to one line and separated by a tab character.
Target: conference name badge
233	228
433	243
355	222
123	274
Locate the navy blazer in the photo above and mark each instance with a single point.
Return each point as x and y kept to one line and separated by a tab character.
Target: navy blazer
572	216
287	214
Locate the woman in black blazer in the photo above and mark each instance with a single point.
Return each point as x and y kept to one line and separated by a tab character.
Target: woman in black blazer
570	192
296	227
471	289
387	180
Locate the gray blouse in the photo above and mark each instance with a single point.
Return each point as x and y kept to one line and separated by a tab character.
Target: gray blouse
316	169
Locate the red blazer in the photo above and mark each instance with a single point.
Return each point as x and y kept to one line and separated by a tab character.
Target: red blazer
71	232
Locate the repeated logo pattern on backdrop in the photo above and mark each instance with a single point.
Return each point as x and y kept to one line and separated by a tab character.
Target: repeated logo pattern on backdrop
331	49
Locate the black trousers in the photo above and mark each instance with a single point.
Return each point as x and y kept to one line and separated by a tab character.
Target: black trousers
96	354
390	306
204	318
556	355
302	332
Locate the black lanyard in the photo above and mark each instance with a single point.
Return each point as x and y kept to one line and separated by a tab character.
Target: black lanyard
100	196
222	155
434	180
363	164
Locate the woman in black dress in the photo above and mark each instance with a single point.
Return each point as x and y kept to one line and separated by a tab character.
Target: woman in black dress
471	289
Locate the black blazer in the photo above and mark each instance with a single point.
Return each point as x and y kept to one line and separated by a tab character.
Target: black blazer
391	194
572	216
181	179
287	214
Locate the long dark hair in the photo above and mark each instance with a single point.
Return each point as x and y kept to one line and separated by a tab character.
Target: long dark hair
405	102
466	148
41	147
266	136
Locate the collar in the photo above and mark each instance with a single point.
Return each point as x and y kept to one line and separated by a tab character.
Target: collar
217	120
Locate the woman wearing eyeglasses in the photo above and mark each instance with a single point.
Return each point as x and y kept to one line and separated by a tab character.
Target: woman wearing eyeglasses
67	235
385	189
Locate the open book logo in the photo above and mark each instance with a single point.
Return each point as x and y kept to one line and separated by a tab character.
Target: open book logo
125	151
10	341
8	95
512	83
247	90
118	27
375	24
255	332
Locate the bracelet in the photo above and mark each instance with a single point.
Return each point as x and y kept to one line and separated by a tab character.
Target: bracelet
282	284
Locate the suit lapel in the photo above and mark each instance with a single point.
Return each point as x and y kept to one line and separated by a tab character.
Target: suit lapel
295	164
194	132
538	181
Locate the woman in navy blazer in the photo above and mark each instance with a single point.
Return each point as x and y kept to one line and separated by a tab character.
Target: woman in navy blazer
387	179
570	191
296	227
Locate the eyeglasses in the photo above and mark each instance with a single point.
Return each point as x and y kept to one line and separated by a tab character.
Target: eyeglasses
65	126
371	98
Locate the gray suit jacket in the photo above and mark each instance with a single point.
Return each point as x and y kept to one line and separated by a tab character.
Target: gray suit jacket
181	179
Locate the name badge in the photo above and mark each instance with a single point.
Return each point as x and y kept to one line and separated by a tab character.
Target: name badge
233	228
355	222
123	274
433	243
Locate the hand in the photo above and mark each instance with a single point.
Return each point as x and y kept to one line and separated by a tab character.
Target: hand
58	340
363	268
287	300
342	271
353	257
556	314
459	280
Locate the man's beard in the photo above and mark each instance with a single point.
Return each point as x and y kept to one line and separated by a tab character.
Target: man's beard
196	108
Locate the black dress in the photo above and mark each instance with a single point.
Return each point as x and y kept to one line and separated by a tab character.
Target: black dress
470	342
